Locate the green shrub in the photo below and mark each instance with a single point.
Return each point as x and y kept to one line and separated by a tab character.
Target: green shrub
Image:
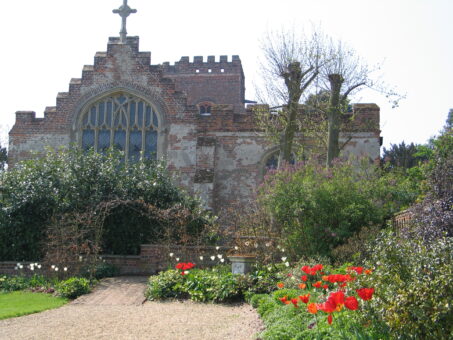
104	269
266	305
414	286
255	300
205	285
12	283
167	284
73	287
316	209
289	293
354	249
265	278
216	285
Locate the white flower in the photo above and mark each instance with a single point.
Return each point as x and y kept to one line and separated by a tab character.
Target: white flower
32	268
219	256
268	244
154	184
287	264
21	266
283	259
36	264
201	258
80	258
269	268
222	260
283	250
16	268
293	278
212	257
177	259
186	272
236	247
18	264
52	266
217	248
39	266
65	269
56	269
171	254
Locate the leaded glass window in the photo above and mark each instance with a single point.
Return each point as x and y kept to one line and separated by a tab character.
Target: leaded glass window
122	121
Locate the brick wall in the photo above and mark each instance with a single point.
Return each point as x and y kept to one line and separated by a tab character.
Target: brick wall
152	259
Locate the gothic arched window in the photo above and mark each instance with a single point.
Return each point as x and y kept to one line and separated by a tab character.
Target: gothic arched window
123	121
205	108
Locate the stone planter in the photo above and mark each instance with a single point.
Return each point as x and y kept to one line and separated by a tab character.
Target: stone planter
241	264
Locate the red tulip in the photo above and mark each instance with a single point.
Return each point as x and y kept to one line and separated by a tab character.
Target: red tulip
317	284
365	293
351	303
304	298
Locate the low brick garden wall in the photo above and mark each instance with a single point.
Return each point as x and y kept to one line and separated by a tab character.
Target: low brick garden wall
152	259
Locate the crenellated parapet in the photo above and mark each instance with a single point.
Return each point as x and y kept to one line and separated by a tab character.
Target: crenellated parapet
217	81
210	66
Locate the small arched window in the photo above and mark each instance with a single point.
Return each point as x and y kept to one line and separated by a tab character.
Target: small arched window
122	121
205	108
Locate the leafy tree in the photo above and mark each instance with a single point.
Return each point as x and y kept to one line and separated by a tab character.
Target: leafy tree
403	156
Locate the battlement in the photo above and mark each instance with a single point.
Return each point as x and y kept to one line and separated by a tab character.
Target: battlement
199	65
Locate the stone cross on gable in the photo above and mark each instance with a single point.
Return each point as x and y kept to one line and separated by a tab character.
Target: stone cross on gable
124	12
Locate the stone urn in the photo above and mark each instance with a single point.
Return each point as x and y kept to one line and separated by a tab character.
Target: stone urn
241	264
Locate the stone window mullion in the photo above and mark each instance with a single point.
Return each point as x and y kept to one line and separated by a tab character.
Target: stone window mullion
117	121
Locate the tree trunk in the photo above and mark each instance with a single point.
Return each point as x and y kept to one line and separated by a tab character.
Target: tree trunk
333	115
293	80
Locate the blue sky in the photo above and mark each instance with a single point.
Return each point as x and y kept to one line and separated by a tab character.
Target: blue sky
46	43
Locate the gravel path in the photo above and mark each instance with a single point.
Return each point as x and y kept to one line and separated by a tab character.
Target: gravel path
115	311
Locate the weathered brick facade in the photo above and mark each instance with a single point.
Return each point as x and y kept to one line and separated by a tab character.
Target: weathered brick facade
219	155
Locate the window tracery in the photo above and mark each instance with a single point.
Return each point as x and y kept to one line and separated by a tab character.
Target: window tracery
122	121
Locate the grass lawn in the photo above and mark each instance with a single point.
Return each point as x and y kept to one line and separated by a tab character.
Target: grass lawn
22	303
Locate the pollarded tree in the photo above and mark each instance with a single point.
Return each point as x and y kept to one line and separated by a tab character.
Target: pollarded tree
344	75
291	65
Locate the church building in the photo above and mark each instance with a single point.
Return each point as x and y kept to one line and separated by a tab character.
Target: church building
192	113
